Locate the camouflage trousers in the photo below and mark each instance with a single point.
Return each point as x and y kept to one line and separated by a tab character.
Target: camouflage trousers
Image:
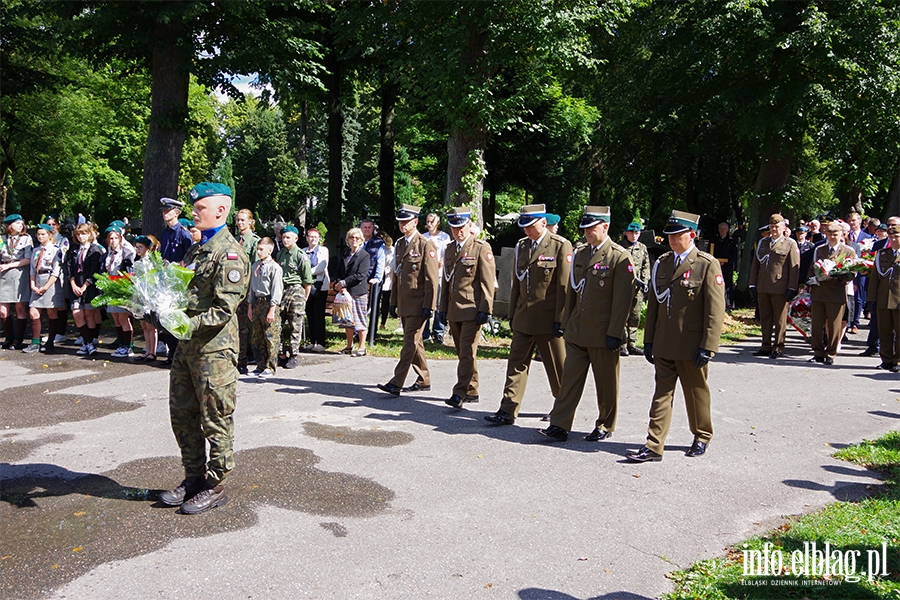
265	337
201	404
293	309
244	328
634	319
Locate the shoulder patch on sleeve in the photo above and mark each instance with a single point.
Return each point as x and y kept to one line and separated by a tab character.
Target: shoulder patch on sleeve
630	268
569	258
432	253
489	256
234	275
719	280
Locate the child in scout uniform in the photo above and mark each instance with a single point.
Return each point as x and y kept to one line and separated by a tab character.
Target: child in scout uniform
263	300
297	281
46	289
143	245
84	261
118	261
15	257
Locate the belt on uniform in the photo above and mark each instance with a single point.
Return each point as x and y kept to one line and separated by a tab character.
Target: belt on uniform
43	272
290	285
259	298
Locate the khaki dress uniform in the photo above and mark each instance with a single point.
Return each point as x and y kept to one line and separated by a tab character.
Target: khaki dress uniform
828	300
598	300
248	242
684	314
774	271
884	289
468	289
640	258
536	301
204	371
414	290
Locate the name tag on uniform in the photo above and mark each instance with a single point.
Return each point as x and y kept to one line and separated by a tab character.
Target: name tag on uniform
546	258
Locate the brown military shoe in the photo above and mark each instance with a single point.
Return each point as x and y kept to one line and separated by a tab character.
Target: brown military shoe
205	500
185	489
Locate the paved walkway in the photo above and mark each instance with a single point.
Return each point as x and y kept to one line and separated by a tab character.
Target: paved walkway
342	491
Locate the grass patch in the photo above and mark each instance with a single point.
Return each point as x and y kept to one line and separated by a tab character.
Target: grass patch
846	526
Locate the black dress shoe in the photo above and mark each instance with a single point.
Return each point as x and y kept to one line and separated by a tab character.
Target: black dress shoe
762	352
776	354
869	352
828	360
698	448
417	387
598	434
501	417
470	399
645	454
390	388
818	359
557	433
634	351
242	369
454	401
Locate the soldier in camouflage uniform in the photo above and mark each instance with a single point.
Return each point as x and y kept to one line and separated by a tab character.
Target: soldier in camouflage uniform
204	371
640	258
248	239
297	281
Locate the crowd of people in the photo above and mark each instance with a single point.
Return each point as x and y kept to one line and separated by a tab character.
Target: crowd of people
577	307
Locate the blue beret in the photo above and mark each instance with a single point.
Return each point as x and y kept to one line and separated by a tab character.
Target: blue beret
290	229
553	219
633	226
206	189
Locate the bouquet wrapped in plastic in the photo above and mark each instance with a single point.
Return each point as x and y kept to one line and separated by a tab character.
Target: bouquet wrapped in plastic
155	288
342	311
800	314
841	268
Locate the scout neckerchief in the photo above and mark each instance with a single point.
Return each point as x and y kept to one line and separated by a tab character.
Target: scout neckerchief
459	256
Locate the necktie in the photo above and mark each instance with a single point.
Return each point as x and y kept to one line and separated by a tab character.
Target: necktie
677	261
458	247
533	246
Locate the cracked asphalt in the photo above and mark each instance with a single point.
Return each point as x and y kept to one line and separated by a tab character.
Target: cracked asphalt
343	491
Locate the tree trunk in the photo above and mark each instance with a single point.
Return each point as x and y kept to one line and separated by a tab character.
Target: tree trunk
386	159
892	206
335	139
459	147
490	209
772	177
849	197
168	114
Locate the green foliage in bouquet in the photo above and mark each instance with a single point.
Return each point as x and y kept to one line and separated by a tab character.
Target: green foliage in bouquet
115	290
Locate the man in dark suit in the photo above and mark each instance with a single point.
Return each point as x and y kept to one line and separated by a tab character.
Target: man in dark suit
683	326
413	298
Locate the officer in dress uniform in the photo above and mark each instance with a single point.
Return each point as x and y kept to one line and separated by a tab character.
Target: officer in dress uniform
467	300
774	281
537	298
413	298
884	290
204	372
828	298
598	300
640	258
684	323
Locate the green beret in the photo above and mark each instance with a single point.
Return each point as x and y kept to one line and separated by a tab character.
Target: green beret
143	239
207	189
290	229
553	219
45	227
12	218
186	222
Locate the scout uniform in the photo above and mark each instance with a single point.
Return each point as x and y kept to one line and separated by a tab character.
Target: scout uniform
248	242
640	258
297	275
598	300
14	282
203	378
684	322
775	275
414	294
467	299
266	290
536	303
828	301
46	263
884	289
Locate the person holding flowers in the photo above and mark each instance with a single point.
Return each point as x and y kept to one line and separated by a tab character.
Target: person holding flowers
116	263
884	291
828	277
46	289
203	378
15	257
143	246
